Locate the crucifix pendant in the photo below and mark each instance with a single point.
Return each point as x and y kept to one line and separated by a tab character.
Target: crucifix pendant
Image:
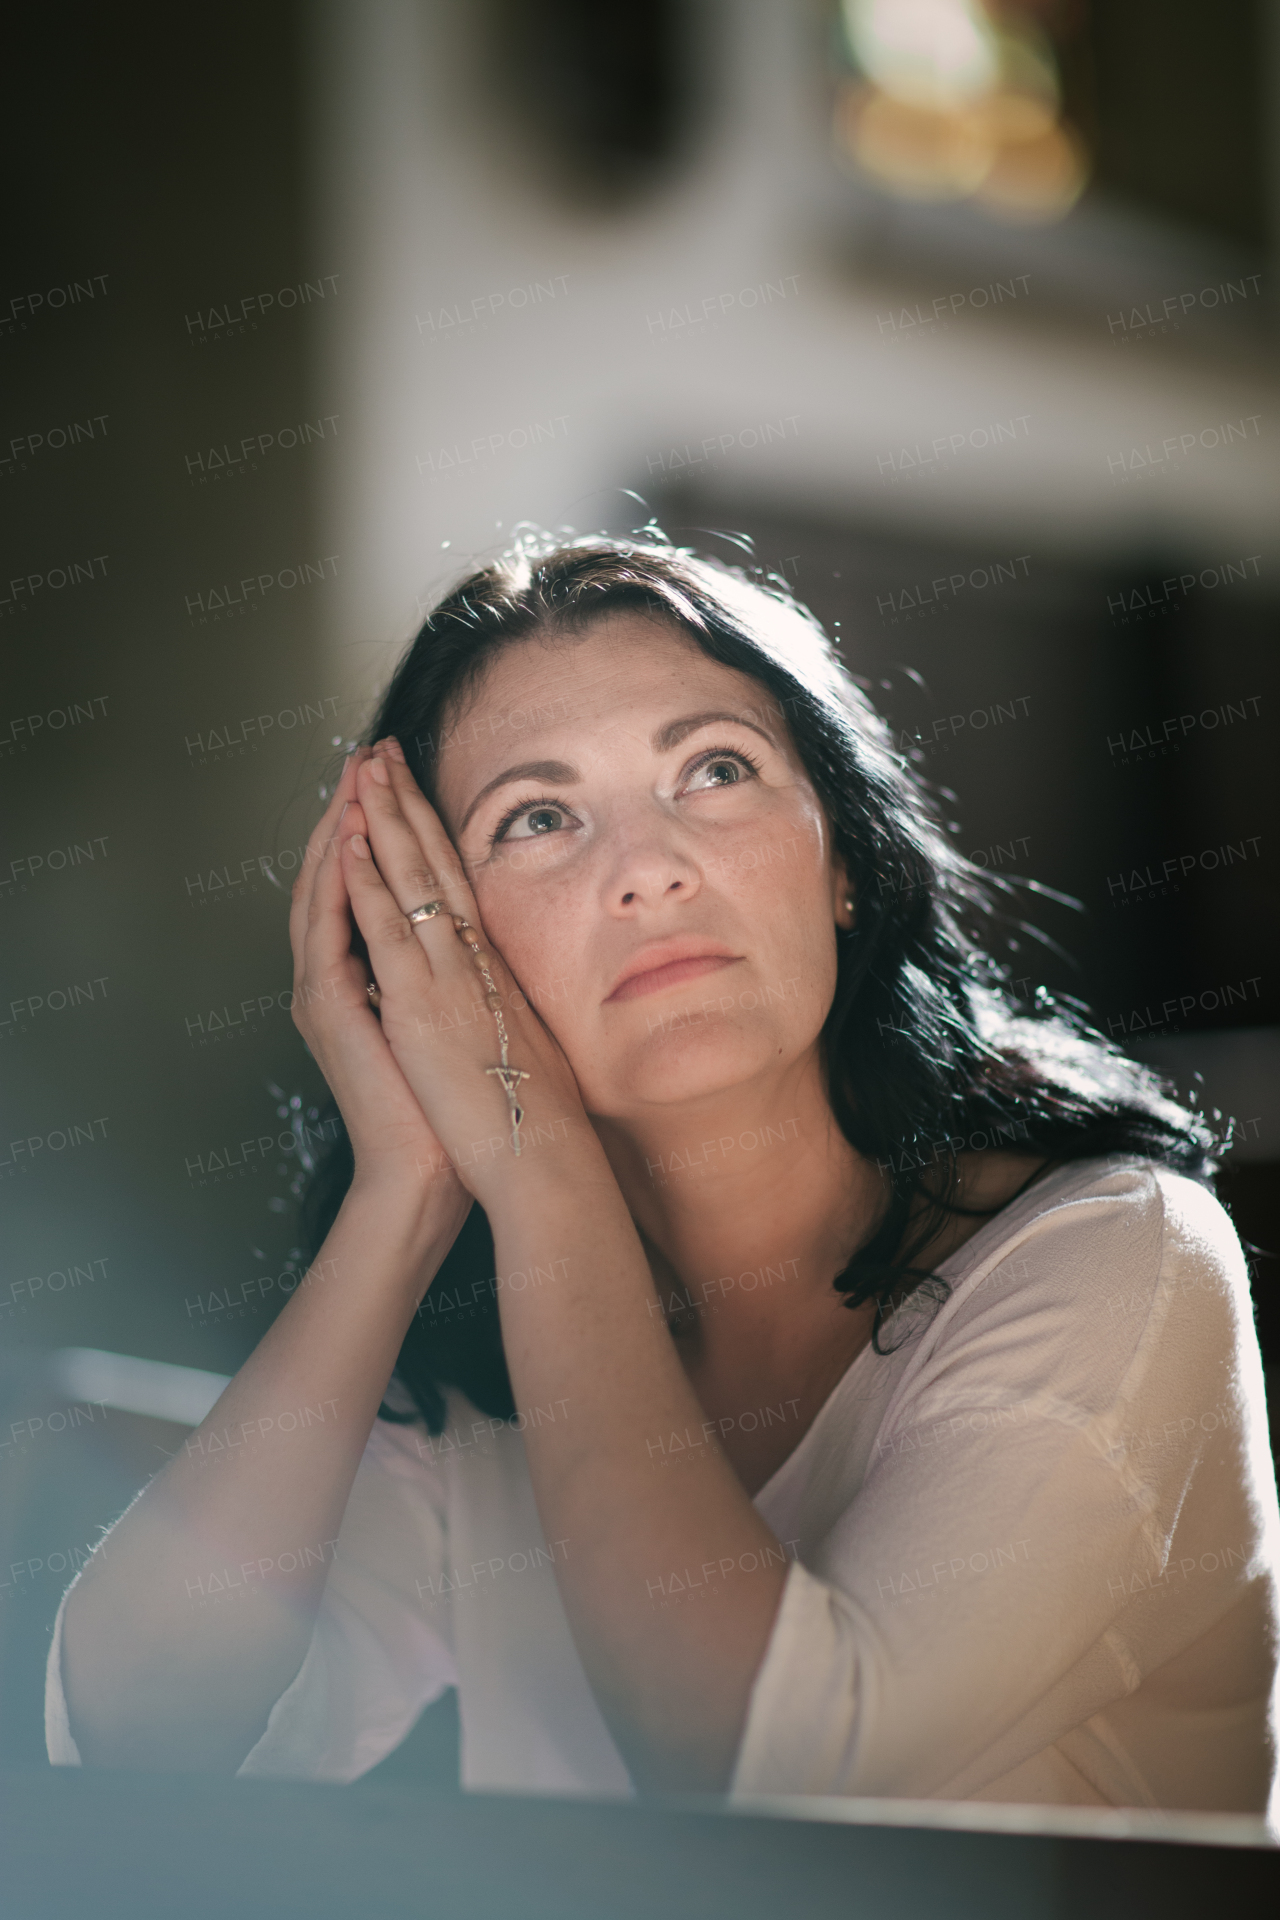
510	1078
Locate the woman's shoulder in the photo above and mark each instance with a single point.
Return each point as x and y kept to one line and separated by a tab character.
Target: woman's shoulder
1106	1282
1103	1248
1156	1219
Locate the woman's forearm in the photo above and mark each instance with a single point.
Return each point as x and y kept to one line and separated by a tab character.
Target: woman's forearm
157	1671
670	1578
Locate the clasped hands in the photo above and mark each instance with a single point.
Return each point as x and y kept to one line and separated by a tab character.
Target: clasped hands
413	1079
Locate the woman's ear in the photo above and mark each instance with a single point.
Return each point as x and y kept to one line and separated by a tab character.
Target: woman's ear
844	903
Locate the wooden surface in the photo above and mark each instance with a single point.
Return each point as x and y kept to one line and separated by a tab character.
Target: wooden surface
113	1846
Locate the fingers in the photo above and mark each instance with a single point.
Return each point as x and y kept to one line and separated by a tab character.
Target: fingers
396	847
331	981
397	957
320	844
327	934
441	854
413	852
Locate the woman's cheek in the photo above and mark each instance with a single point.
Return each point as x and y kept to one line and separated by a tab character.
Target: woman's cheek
786	898
533	932
781	860
516	861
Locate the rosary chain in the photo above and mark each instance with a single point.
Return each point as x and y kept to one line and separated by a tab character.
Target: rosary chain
509	1076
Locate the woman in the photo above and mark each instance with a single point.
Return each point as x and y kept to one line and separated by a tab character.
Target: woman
861	1393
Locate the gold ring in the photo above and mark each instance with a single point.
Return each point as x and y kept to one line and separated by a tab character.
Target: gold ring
427	911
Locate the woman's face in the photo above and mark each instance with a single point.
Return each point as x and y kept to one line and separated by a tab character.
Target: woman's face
650	858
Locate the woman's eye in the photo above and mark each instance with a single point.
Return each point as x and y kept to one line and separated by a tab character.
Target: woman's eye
529	822
719	770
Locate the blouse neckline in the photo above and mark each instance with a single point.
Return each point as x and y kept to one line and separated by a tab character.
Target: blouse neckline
952	1269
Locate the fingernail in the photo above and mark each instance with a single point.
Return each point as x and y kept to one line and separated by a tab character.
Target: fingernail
342	816
359	845
378	771
394	748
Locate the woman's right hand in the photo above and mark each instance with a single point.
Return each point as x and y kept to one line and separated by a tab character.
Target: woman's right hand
393	1145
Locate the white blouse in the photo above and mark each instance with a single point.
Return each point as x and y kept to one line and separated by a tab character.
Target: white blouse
1033	1551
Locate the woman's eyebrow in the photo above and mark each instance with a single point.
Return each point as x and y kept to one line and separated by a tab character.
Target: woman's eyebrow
557	770
676	730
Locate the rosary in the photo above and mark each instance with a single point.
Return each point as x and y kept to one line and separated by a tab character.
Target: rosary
509	1076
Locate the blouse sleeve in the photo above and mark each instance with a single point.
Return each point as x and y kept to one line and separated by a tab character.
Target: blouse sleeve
1085	1418
376	1656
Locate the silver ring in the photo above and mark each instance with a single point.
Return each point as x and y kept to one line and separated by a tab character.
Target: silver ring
427	911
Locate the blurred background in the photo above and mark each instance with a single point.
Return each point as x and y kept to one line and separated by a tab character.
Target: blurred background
961	316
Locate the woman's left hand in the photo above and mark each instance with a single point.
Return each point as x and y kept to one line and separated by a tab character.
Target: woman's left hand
434	1006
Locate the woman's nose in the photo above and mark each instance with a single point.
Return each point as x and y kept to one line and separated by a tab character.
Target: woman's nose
650	872
649	889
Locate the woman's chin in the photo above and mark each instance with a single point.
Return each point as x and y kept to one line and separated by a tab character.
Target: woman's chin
677	1070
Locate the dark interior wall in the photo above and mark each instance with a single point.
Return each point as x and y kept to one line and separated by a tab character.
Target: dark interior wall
164	179
1173	95
154	201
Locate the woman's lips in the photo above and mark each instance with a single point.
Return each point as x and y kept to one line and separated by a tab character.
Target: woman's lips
673	974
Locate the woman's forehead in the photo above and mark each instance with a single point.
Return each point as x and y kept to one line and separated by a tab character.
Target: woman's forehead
628	653
617	678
